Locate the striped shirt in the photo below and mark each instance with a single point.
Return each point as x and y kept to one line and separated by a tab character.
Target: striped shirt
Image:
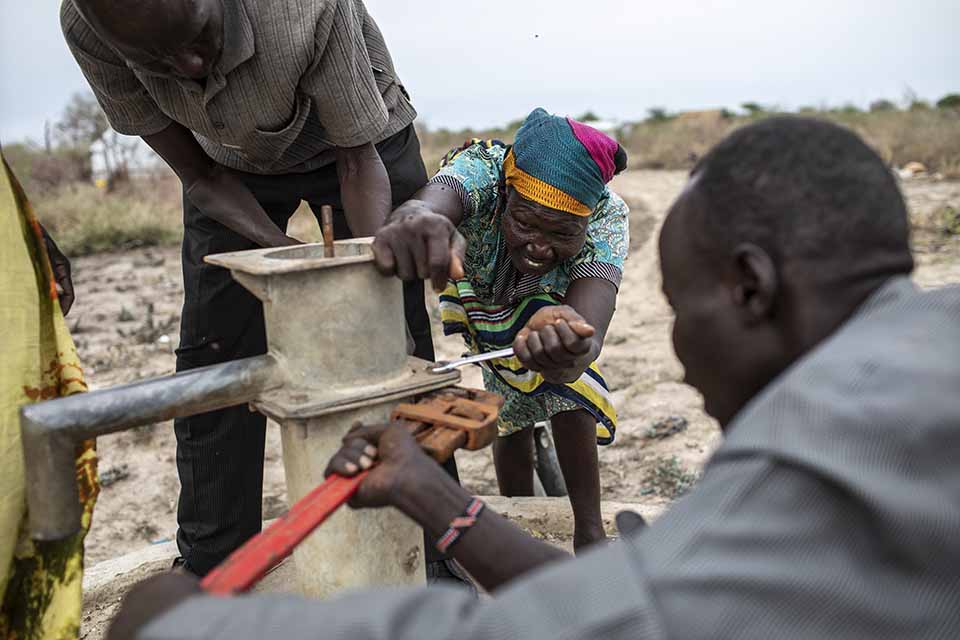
832	510
296	79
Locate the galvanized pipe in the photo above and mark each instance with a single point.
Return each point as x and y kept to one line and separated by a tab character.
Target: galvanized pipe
51	430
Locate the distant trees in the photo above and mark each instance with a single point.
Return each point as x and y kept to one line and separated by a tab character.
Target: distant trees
71	146
754	108
949	101
912	102
658	114
882	105
84	127
848	109
82	122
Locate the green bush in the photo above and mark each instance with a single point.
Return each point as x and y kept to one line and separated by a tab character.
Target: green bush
949	101
882	105
669	479
950	221
754	108
658	114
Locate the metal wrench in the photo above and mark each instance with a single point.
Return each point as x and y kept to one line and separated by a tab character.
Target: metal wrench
444	367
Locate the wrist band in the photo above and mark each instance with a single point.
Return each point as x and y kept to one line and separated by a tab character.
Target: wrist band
459	525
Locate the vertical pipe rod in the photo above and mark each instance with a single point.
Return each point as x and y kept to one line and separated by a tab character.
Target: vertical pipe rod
326	226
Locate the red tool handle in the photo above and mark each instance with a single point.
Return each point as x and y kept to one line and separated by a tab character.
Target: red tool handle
442	422
253	560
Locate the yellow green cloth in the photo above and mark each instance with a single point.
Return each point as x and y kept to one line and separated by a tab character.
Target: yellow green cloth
40	582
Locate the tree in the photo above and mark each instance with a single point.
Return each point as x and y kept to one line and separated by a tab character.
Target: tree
83	122
84	129
79	127
847	109
589	116
658	114
949	101
882	105
753	108
913	101
118	154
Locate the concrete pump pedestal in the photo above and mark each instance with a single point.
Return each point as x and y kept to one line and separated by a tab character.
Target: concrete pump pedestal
353	549
336	354
336	328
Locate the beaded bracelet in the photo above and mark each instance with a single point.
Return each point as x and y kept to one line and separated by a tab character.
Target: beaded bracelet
459	525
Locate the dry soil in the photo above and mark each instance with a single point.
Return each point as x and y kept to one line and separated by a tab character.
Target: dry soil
126	322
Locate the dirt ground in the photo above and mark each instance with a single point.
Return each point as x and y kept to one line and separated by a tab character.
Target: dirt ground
126	323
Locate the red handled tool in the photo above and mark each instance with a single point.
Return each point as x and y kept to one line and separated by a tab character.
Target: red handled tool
442	422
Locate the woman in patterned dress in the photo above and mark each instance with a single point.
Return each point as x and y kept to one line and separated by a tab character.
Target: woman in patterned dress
526	245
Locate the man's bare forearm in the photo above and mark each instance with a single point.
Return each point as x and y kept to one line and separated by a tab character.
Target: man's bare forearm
214	189
364	188
223	197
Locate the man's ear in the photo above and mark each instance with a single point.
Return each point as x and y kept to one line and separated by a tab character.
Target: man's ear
756	284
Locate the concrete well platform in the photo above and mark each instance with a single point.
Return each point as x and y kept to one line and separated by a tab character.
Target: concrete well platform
105	584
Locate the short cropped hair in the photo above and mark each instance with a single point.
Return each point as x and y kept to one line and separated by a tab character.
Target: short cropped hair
803	190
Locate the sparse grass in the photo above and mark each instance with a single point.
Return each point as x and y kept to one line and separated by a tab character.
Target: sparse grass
676	143
936	224
930	136
950	167
435	144
949	220
84	219
147	211
669	479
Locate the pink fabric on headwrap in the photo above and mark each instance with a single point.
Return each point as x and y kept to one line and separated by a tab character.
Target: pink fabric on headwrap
602	148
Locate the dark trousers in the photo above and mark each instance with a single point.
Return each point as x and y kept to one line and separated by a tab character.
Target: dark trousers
220	453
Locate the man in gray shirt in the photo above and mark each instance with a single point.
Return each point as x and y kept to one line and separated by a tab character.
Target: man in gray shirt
256	105
832	509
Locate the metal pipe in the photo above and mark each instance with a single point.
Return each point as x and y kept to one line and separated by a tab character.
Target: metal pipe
51	430
326	220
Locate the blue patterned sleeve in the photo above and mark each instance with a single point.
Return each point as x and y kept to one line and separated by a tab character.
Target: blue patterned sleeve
474	174
608	240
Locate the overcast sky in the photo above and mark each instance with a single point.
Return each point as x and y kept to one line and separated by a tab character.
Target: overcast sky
485	62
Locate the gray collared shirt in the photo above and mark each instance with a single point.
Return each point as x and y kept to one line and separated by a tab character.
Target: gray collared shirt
296	79
832	510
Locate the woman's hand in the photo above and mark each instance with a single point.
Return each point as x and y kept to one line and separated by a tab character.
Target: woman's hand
417	243
400	465
558	343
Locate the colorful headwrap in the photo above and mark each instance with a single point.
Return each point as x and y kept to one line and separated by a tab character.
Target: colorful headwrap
560	163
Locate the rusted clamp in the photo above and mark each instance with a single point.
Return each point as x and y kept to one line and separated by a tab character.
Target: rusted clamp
452	419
